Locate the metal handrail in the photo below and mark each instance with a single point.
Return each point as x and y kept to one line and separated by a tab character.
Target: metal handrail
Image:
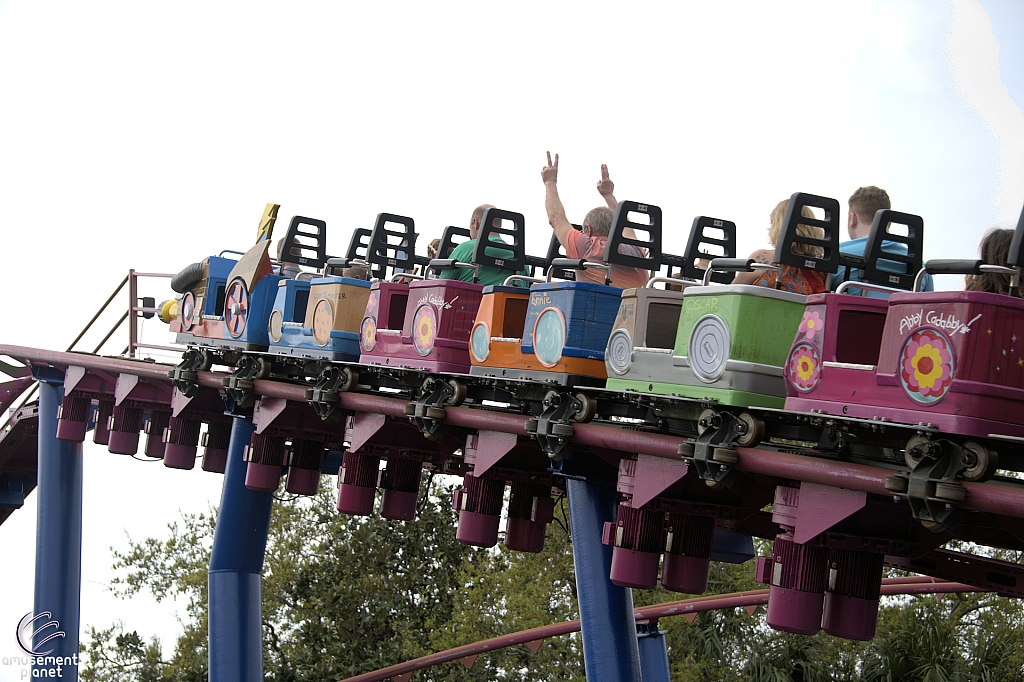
131	279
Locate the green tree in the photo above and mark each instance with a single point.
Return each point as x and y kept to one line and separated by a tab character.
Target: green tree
344	595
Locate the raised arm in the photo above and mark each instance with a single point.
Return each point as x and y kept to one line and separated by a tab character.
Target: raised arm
606	188
556	212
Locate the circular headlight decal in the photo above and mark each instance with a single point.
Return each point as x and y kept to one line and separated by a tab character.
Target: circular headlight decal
275	328
709	348
188	309
236	307
549	336
480	342
620	351
323	322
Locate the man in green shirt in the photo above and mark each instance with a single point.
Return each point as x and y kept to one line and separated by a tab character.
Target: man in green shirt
463	253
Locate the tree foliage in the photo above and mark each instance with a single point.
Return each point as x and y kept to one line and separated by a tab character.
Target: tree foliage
344	595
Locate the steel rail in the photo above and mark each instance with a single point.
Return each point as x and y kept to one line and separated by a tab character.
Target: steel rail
890	586
993	497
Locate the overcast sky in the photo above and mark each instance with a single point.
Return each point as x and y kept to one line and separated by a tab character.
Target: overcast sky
147	136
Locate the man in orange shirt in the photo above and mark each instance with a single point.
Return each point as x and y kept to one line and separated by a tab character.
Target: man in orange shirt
590	243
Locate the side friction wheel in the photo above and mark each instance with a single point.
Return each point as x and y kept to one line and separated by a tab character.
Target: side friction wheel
350	380
459	395
587	409
755	431
984	465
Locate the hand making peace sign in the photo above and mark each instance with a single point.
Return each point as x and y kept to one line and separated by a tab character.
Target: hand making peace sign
549	173
605	186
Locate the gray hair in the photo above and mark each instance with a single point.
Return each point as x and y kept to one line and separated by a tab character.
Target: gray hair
599	220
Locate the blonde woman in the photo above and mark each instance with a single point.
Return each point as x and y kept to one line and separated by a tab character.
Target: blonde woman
788	278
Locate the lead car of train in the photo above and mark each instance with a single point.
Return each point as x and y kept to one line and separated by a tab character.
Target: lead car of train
928	385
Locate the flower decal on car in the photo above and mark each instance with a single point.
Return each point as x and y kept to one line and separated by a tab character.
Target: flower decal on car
368	335
804	367
811	324
424	329
926	365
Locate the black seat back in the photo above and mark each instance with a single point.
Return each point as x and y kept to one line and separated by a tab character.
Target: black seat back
305	242
556	250
392	244
613	253
450	238
511	253
358	244
707	237
881	232
828	261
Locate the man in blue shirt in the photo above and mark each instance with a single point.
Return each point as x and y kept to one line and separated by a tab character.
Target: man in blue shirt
863	204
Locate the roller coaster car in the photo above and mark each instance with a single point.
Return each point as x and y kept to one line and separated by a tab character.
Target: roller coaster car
384	314
200	313
320	318
951	361
503	311
733	339
439	313
639	352
566	324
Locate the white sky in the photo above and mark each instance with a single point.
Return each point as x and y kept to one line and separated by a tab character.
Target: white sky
149	136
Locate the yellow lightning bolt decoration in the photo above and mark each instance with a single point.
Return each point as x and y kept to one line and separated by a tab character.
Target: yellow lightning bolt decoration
266	229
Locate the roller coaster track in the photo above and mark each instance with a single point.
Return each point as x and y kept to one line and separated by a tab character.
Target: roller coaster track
996	497
688	608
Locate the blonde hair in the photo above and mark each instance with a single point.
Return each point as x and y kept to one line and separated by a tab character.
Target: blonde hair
775	230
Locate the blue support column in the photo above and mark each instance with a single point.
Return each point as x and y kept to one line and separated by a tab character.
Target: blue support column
606	610
58	588
239	543
653	652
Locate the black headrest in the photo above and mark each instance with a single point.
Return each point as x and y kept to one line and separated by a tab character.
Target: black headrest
392	243
704	243
556	250
511	255
358	244
1015	257
448	242
881	232
305	243
612	251
828	261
